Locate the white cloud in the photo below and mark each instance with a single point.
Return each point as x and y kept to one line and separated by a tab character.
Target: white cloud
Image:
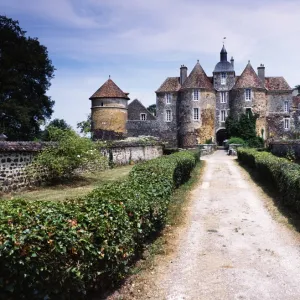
142	42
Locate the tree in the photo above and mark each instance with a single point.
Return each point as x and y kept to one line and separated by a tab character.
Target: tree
298	88
85	126
152	109
25	74
56	123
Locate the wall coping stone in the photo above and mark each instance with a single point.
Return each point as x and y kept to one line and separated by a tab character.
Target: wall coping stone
23	146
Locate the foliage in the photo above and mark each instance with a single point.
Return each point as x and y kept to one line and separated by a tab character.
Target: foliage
56	123
282	174
60	250
68	152
25	75
236	140
208	141
85	126
152	109
244	127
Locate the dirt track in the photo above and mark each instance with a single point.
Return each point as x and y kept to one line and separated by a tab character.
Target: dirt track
231	248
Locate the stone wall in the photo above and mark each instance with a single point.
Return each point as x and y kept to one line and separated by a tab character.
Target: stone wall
207	149
16	159
193	132
281	148
167	129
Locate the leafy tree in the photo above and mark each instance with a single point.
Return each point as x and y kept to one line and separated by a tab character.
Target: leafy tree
56	123
298	88
69	152
152	109
244	128
25	74
85	126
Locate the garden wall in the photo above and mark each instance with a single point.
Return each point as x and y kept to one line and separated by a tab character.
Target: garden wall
281	148
16	156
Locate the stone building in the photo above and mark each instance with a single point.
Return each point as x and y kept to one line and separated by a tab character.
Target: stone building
192	108
109	112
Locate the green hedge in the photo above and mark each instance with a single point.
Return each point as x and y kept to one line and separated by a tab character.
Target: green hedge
51	250
279	172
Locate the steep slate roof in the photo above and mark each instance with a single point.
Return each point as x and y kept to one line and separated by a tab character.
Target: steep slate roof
109	90
248	79
135	108
171	84
276	84
197	79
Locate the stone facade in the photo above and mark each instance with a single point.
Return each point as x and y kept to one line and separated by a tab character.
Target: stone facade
192	108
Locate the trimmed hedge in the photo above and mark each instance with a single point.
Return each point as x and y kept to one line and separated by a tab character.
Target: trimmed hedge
51	250
279	172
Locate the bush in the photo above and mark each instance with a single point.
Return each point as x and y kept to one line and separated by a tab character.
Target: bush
279	172
63	249
236	140
69	152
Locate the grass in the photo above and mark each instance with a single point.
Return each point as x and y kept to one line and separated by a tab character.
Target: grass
79	186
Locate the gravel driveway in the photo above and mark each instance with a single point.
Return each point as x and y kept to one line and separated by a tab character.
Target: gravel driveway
231	247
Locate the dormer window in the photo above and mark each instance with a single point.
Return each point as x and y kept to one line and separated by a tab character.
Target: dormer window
196	95
143	117
168	98
223	78
248	94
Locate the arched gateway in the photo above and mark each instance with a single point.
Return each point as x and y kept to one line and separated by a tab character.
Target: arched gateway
221	135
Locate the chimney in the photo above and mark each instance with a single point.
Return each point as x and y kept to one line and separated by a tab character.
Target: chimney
232	61
183	74
261	73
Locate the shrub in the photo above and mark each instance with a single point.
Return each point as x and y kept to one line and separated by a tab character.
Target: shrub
62	249
236	140
69	152
279	172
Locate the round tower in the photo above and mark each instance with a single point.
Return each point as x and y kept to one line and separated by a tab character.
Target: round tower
109	112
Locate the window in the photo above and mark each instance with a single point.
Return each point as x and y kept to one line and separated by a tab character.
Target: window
101	104
223	78
196	95
286	123
223	96
223	115
168	98
286	106
143	117
247	94
168	115
196	114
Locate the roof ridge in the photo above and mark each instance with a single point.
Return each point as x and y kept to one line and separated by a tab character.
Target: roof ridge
109	90
197	78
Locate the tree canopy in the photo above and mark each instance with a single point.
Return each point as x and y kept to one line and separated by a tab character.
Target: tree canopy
152	108
25	74
56	123
85	126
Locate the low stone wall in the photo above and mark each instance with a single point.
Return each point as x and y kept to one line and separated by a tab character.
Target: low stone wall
207	149
282	148
16	158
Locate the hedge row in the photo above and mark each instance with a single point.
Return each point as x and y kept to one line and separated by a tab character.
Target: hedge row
281	173
60	250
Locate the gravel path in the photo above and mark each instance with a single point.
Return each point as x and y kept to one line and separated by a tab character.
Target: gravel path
231	247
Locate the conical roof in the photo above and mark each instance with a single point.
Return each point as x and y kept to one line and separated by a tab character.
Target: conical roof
197	79
248	79
109	90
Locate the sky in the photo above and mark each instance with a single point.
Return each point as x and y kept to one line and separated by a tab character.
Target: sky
141	42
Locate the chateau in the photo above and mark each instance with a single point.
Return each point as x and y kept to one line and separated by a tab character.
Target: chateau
192	108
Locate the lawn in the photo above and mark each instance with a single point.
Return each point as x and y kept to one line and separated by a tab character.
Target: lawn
77	187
